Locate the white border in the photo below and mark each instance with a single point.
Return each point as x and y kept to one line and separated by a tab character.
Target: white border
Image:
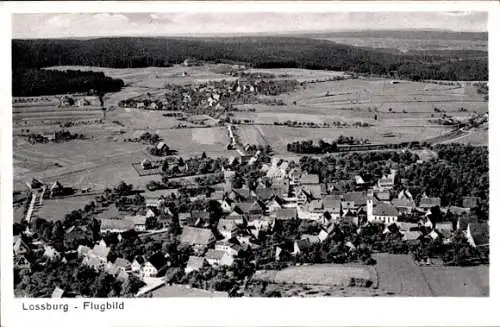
249	311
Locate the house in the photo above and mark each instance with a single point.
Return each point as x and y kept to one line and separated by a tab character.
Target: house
94	262
227	228
412	236
184	218
83	250
312	210
427	203
386	182
457	211
294	176
218	258
354	200
382	212
217	195
444	226
403	205
309	179
199	238
57	293
137	264
478	234
231	248
154	201
138	221
470	202
194	263
82	102
21	262
200	216
115	225
100	252
56	189
333	205
264	194
50	253
155	266
123	264
20	247
285	214
301	245
313	239
239	195
383	196
308	192
249	208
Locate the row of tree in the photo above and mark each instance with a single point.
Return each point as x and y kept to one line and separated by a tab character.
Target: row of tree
35	82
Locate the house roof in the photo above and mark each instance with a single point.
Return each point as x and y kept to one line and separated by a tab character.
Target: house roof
303	244
430	202
480	232
286	213
313	239
93	262
384	209
100	251
217	195
403	202
264	193
405	194
194	235
442	226
331	202
57	293
314	205
184	216
226	225
214	254
137	219
242	193
359	179
470	202
195	262
122	263
246	207
359	198
118	224
312	190
383	196
411	235
309	179
458	210
198	214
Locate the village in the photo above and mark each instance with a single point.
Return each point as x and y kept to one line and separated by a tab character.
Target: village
209	236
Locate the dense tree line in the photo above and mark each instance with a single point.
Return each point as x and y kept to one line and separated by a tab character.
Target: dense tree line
263	52
323	146
34	82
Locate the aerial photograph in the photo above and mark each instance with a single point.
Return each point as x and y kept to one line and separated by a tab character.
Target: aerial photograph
250	154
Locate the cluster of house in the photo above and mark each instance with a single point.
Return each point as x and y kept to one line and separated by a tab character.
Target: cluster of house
214	95
296	195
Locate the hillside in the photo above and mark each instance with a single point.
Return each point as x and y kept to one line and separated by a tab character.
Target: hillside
260	52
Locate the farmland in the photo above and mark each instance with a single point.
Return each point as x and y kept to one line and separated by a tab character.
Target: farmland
402	111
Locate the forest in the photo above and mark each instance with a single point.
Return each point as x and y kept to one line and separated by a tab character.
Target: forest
35	81
260	52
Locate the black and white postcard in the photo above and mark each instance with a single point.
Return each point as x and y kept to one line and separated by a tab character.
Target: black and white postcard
163	163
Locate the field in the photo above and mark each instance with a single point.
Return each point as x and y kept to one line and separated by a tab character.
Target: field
319	274
399	274
184	291
56	209
397	112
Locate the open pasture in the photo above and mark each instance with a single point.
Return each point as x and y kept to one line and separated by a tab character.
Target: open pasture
458	281
56	209
319	274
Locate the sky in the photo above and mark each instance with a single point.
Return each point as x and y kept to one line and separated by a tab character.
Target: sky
194	24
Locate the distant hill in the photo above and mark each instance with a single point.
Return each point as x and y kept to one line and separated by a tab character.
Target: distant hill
406	34
261	52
